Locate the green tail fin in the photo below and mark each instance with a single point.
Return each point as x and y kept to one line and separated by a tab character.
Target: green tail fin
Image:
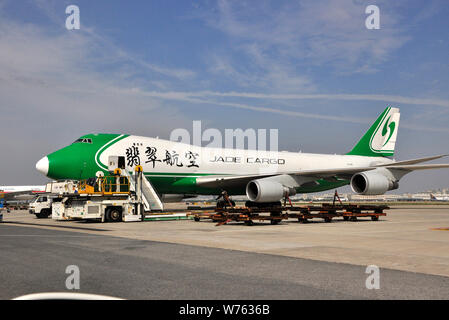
380	139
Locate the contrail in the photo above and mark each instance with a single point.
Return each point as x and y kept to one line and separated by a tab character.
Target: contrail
366	97
193	97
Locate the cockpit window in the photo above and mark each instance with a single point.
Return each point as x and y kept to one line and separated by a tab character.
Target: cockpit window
83	140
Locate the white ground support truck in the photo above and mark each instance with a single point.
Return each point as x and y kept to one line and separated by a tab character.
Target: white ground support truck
41	206
119	197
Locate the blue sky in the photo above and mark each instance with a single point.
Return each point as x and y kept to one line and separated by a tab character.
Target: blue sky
308	68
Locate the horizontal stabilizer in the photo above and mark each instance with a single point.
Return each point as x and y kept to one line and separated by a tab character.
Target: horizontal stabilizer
414	161
418	167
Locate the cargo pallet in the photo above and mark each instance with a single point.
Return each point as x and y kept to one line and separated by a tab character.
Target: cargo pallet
327	212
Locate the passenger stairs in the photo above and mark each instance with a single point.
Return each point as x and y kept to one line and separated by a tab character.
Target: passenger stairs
150	198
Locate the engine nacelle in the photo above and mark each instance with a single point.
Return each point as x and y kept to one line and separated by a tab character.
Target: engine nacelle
267	191
372	183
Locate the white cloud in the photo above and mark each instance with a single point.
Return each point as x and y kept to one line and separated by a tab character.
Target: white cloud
319	32
52	92
54	75
281	41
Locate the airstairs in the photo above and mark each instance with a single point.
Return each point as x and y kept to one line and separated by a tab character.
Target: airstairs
144	191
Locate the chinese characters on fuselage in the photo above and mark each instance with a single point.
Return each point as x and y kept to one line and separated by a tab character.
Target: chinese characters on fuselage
151	155
172	158
132	156
190	159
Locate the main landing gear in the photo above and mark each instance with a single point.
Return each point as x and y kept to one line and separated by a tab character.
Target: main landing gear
225	202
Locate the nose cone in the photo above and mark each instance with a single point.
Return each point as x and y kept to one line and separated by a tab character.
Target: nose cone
42	165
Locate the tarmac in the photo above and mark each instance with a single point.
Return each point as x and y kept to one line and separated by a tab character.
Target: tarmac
184	259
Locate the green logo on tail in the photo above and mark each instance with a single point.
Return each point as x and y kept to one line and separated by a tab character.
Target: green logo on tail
376	140
392	126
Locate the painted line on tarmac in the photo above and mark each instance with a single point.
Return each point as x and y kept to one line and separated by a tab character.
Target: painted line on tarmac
51	226
42	235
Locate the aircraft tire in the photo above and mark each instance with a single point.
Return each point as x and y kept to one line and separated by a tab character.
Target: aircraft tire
43	214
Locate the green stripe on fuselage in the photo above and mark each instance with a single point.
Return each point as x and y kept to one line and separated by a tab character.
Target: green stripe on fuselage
187	185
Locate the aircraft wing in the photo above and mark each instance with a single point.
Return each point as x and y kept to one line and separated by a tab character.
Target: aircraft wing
228	181
233	180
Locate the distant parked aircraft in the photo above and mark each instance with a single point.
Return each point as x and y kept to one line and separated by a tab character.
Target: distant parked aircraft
439	198
9	193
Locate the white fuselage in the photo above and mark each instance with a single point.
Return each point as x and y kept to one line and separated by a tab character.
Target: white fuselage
168	157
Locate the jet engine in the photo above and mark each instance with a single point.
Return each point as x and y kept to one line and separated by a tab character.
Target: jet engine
372	183
267	191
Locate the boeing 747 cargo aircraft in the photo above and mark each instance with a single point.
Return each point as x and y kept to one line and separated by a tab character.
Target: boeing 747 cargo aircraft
263	176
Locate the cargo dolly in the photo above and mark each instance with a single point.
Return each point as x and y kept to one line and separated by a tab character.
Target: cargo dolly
302	213
242	214
328	212
223	214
